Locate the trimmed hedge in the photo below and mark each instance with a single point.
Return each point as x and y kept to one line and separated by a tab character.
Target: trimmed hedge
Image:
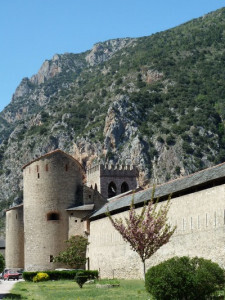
80	278
184	278
57	275
2	263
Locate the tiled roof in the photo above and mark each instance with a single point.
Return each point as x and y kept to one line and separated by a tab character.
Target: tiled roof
15	207
49	154
178	185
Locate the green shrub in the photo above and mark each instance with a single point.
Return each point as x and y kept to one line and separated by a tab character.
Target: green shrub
58	275
186	137
170	140
177	170
41	277
2	262
160	139
28	276
184	278
187	148
80	278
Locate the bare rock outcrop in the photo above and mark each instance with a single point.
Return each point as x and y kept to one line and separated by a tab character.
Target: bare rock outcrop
104	51
48	70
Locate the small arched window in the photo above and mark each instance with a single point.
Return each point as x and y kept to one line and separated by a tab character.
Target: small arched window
124	187
111	189
96	187
53	216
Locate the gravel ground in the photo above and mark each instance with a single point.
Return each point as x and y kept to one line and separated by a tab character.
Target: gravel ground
6	286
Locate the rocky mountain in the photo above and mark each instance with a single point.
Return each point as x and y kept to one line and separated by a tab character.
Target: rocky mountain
157	102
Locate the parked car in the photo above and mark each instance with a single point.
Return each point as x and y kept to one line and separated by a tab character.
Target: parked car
20	271
2	274
10	274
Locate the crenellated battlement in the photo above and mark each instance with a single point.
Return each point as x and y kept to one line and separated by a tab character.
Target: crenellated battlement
111	180
110	169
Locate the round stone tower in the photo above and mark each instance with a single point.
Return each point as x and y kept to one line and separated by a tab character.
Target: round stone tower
14	238
51	185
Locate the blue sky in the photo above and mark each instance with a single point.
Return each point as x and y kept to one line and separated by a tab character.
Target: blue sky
32	31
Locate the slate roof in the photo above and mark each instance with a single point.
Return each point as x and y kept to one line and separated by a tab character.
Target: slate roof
82	207
185	183
2	244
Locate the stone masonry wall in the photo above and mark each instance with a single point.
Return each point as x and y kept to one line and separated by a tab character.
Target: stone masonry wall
102	176
50	186
93	178
91	196
105	181
77	226
15	238
200	220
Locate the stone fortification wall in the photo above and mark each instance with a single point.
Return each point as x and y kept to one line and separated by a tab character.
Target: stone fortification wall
200	220
93	177
77	224
101	176
15	238
51	185
91	196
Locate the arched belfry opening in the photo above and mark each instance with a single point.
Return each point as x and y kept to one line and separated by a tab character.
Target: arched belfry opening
111	190
96	187
124	187
111	179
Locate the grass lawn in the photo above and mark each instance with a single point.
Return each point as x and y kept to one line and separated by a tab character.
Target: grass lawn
66	289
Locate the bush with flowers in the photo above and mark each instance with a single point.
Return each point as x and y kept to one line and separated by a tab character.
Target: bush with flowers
41	277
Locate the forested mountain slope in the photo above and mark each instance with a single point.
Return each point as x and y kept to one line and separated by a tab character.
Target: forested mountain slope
157	102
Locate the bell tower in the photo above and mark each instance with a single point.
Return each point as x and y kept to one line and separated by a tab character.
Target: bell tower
112	180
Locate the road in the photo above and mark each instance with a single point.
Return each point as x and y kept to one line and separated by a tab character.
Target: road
6	286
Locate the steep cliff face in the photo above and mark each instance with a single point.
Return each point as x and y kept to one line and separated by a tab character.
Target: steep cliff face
104	51
156	102
48	70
